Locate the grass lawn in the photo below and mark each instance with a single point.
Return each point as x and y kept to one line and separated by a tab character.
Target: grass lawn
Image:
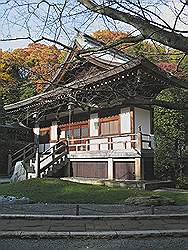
57	191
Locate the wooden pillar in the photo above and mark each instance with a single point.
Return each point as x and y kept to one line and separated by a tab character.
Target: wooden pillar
36	131
37	164
110	169
139	139
132	125
138	168
53	132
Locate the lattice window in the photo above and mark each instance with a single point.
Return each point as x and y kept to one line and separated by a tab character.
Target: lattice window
68	133
109	127
76	132
85	132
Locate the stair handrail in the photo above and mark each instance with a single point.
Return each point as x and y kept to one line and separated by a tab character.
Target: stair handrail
21	153
24	153
22	149
50	149
53	161
53	150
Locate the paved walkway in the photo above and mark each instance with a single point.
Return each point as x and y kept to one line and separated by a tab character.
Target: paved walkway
92	223
111	223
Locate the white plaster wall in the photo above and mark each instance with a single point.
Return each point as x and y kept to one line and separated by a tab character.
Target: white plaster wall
94	125
125	120
142	118
53	131
103	144
43	147
62	136
36	132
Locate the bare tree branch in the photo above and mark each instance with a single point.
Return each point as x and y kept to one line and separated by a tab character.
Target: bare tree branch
38	40
127	40
146	28
178	16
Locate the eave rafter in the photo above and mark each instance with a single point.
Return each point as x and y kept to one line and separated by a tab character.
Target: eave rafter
134	83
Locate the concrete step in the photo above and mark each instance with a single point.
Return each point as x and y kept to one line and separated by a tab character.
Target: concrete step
88	224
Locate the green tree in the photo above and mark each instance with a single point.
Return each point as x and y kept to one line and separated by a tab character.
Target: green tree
169	127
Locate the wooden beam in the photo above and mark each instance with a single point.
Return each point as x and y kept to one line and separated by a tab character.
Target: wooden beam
132	123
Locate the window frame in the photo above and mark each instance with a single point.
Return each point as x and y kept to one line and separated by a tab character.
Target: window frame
73	126
109	119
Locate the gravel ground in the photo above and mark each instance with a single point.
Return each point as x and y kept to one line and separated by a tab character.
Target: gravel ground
166	243
88	209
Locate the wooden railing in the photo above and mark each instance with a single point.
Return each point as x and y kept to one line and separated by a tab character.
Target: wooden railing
113	142
53	154
24	154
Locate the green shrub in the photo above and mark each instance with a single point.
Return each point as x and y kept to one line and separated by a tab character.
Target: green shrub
182	182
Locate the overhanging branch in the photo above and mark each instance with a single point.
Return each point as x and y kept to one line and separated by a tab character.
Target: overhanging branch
127	40
146	28
38	40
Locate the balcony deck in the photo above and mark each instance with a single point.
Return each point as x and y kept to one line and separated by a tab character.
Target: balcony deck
115	146
128	153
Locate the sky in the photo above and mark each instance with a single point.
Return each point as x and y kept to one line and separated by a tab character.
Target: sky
13	22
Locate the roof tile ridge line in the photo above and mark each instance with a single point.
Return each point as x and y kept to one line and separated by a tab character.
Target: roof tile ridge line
100	59
105	72
32	98
91	57
75	43
98	42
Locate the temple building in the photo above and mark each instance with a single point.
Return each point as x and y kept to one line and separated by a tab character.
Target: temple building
95	120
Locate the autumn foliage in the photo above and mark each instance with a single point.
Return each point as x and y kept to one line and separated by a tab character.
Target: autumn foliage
28	68
171	67
108	36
